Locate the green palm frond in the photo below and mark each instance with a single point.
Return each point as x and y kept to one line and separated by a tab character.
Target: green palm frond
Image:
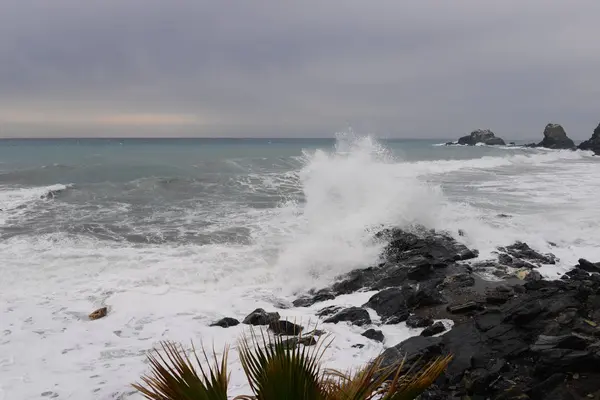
277	370
174	376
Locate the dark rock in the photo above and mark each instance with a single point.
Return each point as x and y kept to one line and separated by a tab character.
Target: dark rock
328	311
374	334
393	305
534	276
592	144
285	328
502	215
481	136
588	266
555	137
505	259
434	329
572	341
415	321
261	317
354	315
357	346
307	301
293	342
226	322
526	254
465	307
457	281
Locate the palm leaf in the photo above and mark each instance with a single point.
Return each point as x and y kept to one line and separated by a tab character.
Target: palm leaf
174	377
411	384
277	370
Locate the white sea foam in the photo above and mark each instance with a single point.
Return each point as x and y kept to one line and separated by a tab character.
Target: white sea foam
51	282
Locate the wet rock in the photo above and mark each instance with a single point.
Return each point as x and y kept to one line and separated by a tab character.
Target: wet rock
588	266
374	334
464	307
592	144
293	342
358	346
308	300
555	137
526	255
355	315
261	317
226	322
434	329
393	305
415	321
99	313
323	312
481	136
285	328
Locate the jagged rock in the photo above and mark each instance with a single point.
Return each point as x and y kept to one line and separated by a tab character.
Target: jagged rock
285	328
226	322
523	347
307	301
588	266
354	315
555	137
414	321
323	312
393	305
593	143
481	136
374	334
434	329
464	307
99	313
418	254
523	256
261	317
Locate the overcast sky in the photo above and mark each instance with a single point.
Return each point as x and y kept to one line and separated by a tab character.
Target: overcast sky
431	69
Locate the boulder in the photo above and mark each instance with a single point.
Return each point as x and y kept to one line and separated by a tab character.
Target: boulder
355	315
285	328
393	305
555	137
261	317
486	137
99	313
588	266
415	321
226	322
434	329
593	143
374	334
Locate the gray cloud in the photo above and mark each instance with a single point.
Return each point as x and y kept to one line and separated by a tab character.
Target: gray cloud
269	68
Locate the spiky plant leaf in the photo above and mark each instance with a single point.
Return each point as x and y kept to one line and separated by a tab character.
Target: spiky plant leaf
409	385
174	376
276	370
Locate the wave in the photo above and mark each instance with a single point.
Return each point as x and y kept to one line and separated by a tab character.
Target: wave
16	198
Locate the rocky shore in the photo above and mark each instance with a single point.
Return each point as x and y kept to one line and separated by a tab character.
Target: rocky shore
519	338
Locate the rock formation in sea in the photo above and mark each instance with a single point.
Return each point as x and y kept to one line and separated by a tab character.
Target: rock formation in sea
555	137
484	136
592	143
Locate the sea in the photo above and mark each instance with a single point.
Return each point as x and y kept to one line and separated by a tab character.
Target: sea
174	234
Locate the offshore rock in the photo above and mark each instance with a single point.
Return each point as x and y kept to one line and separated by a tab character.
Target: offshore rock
481	136
555	137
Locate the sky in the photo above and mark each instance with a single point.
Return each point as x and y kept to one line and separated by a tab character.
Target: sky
272	68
